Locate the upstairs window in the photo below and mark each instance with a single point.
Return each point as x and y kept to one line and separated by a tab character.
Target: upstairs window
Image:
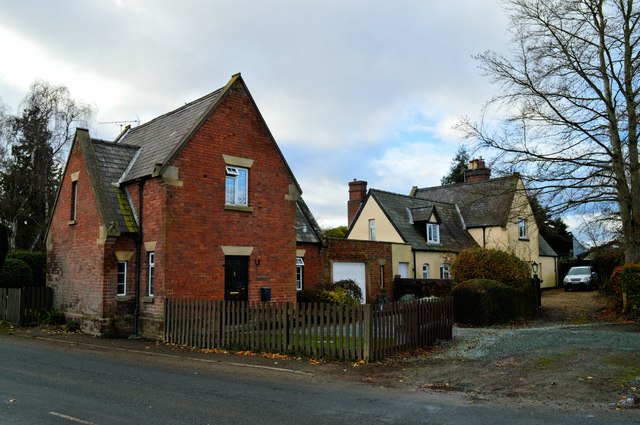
74	201
433	233
372	230
122	278
299	272
236	186
522	228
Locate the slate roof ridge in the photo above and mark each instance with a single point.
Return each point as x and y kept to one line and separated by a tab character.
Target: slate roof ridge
112	143
187	105
414	198
456	185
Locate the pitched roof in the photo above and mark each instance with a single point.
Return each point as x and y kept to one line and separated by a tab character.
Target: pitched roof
160	137
105	162
484	203
544	248
405	211
307	229
111	161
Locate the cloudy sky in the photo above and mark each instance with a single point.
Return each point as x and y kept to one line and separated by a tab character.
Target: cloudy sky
350	89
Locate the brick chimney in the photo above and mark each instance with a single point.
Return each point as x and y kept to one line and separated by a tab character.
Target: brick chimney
477	171
357	193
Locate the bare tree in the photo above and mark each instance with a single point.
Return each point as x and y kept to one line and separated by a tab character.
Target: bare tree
35	142
566	112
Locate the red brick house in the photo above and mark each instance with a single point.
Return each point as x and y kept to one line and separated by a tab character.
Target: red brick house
197	203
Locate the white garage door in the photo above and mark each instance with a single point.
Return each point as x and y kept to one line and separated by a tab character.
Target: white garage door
354	271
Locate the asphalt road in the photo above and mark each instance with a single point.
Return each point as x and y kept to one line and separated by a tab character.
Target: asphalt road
49	382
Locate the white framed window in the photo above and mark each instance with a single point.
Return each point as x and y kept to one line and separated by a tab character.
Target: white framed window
236	186
425	271
151	256
445	271
299	272
372	229
433	233
121	287
522	228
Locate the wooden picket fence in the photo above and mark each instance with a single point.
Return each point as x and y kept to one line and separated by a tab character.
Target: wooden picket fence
24	305
368	332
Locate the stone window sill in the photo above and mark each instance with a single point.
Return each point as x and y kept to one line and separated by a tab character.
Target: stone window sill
148	300
237	208
124	298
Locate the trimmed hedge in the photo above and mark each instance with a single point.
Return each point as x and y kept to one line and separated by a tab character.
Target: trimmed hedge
15	274
492	264
38	263
485	302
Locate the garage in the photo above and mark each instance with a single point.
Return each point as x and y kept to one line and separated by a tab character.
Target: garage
353	271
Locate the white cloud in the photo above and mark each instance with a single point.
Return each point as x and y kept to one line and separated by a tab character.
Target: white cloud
411	164
350	89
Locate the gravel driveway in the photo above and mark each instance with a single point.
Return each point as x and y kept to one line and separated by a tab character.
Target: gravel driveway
571	357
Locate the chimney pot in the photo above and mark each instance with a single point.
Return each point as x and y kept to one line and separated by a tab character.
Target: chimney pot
477	172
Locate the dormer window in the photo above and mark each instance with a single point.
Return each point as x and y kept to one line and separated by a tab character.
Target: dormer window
433	233
236	184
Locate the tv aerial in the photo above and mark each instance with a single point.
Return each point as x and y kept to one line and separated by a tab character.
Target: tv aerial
122	124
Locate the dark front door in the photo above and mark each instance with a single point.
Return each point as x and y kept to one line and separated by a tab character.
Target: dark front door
236	278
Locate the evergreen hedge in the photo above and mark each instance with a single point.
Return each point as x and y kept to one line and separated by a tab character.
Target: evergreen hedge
38	263
483	302
15	274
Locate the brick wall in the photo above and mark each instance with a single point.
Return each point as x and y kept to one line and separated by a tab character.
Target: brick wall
373	254
74	258
198	225
313	274
186	225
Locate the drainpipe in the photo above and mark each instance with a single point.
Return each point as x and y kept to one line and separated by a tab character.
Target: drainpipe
415	266
139	239
484	237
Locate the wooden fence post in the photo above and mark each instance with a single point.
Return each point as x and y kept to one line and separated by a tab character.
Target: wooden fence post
367	336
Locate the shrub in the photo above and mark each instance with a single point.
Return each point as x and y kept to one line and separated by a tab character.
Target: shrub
626	278
344	291
38	263
308	296
492	264
52	317
15	274
483	302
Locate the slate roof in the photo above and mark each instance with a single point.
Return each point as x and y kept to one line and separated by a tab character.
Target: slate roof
406	212
544	248
161	137
482	204
111	160
307	229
